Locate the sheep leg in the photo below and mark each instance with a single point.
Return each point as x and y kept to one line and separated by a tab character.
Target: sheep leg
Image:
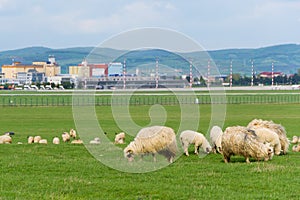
196	148
186	147
247	160
226	159
154	157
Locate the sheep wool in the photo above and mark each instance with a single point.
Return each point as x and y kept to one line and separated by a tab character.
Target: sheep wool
65	137
277	128
216	139
239	141
153	140
36	139
5	139
55	140
73	133
30	139
120	138
43	141
189	137
267	135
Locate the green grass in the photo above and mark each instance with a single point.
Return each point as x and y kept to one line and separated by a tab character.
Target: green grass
68	171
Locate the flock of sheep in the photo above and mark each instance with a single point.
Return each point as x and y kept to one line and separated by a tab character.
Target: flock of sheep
260	140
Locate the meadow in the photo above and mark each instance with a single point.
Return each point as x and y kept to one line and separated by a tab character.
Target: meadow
66	171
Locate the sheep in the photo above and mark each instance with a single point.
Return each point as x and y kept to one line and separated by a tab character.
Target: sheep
192	137
277	128
153	140
295	139
43	141
242	141
216	138
73	133
77	142
65	137
95	141
30	139
55	140
5	139
298	139
36	139
267	135
119	138
296	148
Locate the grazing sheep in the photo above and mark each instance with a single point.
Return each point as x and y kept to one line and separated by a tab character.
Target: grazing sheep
153	140
120	138
267	135
55	140
95	141
189	137
43	141
5	139
30	139
77	142
216	139
296	148
65	137
238	141
36	139
277	128
73	133
295	139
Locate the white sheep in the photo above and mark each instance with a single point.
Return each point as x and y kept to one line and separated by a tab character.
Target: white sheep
267	135
216	139
242	141
30	139
153	140
277	128
65	137
43	141
296	148
5	139
36	139
73	133
77	141
295	139
55	140
120	138
95	141
189	137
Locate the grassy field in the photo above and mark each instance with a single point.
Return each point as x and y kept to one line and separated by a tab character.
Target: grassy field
65	171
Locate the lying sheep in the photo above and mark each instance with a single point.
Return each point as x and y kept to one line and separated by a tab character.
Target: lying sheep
36	139
30	139
5	139
216	138
267	135
242	141
120	138
55	140
43	141
153	140
73	133
189	137
296	148
77	142
295	139
65	137
277	128
95	141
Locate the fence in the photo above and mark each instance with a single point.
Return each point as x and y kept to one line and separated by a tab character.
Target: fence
107	100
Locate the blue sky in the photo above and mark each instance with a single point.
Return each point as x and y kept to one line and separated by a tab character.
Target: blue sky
214	24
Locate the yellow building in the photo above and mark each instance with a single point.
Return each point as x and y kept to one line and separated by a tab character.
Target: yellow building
49	68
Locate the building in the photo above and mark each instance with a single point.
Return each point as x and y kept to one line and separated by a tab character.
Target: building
115	69
269	74
89	70
50	68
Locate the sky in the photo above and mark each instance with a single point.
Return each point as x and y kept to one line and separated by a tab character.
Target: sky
214	24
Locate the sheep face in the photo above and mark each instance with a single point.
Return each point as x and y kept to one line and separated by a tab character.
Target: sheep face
270	151
128	153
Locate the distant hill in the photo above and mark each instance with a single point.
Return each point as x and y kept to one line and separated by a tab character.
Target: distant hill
286	58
